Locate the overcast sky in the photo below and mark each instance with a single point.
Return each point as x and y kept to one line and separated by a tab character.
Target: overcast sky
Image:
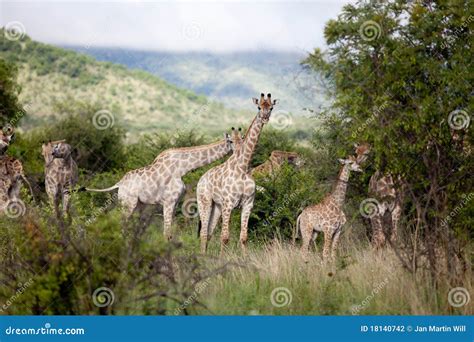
176	26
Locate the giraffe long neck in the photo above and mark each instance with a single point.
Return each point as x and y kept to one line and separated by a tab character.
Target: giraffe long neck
244	157
339	193
191	158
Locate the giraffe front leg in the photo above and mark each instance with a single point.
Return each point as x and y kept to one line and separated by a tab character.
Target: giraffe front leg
226	211
327	243
396	213
378	236
335	241
204	209
244	221
168	212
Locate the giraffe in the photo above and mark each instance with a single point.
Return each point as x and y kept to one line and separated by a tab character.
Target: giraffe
389	201
226	186
327	216
11	171
274	163
161	181
61	174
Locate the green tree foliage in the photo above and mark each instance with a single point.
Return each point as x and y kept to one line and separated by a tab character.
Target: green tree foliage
10	109
401	76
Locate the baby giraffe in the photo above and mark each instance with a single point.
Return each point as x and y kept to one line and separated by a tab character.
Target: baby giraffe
60	174
327	216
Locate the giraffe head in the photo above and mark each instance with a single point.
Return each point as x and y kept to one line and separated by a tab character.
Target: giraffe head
61	150
265	107
352	162
47	150
362	151
237	138
7	133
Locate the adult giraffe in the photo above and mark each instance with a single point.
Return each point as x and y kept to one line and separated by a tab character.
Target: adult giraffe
226	186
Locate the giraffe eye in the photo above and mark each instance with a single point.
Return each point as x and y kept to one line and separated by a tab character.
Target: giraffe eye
259	108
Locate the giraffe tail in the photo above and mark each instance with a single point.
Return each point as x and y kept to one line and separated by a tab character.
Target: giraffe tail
199	229
29	187
113	187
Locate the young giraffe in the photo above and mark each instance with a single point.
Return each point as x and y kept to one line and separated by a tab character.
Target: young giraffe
274	163
61	174
161	182
11	171
389	200
224	187
327	216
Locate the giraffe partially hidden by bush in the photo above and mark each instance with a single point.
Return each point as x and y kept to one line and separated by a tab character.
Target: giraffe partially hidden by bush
226	186
61	174
274	163
161	182
11	172
327	216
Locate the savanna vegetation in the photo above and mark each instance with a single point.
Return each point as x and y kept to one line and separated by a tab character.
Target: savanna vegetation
394	86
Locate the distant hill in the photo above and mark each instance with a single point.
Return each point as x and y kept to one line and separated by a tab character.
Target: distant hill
138	100
230	78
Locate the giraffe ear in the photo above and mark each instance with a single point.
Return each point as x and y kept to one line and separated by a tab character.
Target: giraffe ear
342	161
255	100
275	101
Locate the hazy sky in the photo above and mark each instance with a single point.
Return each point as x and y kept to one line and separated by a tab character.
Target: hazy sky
172	25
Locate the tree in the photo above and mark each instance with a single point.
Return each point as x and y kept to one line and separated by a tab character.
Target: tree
401	77
10	109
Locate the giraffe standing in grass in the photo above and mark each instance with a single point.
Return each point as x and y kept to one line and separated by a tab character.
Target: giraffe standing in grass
327	216
161	182
11	171
226	186
61	174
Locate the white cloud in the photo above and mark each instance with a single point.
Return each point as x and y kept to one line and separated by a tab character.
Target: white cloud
178	26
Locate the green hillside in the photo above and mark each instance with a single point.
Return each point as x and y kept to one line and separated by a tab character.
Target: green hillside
50	76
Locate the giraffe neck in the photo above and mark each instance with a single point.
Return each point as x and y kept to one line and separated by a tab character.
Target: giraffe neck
244	157
339	193
190	158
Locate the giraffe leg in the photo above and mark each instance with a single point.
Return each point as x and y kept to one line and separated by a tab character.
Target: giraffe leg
205	209
306	235
378	236
215	217
168	212
226	211
396	213
244	221
327	243
335	241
